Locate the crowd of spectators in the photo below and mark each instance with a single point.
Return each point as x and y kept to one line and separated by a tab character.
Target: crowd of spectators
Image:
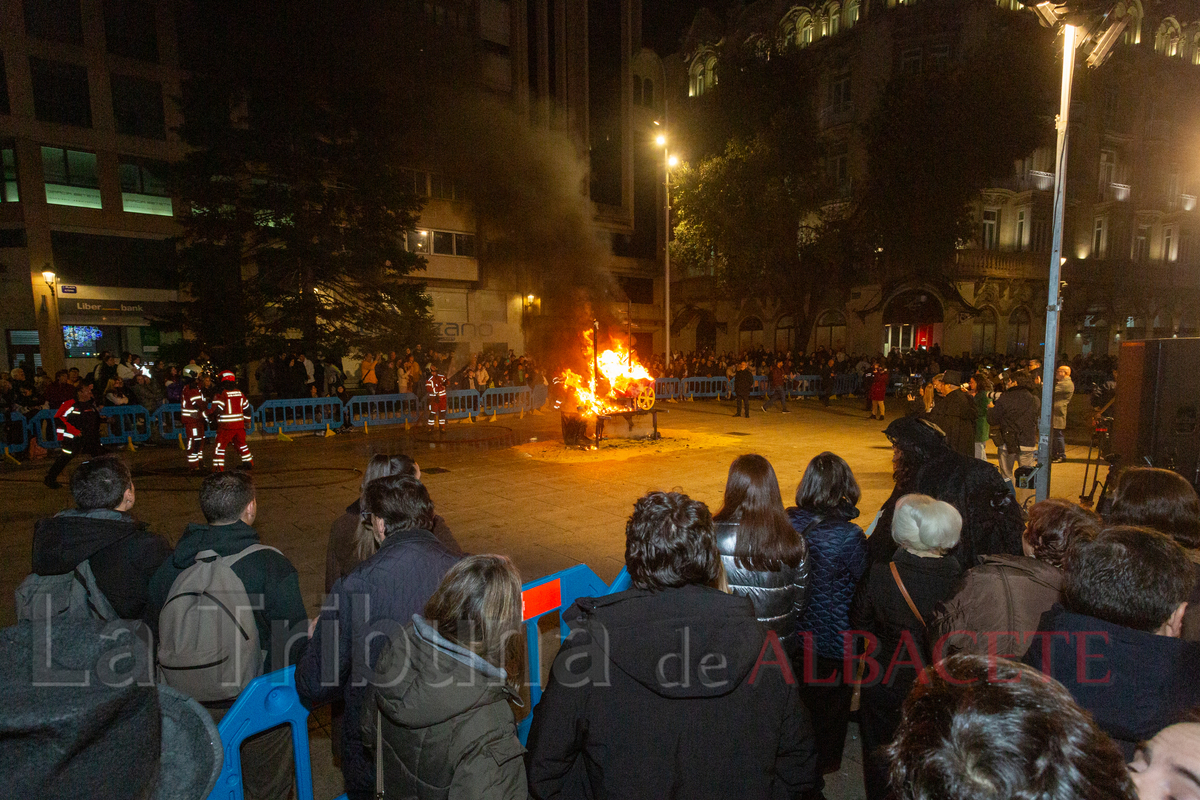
728	669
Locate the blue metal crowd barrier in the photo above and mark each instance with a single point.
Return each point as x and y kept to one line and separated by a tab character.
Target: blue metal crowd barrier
810	385
666	388
302	414
271	700
16	433
506	400
760	386
462	403
42	429
167	419
383	409
125	423
707	387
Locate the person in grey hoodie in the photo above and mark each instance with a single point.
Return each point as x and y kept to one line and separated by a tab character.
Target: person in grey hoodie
441	709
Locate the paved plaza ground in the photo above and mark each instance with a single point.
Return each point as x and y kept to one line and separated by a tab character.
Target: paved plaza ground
508	486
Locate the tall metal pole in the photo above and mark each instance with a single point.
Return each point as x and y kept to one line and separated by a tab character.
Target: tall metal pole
1053	305
667	240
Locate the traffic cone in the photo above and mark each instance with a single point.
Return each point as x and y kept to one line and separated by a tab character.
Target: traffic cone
327	431
521	415
407	424
366	426
281	436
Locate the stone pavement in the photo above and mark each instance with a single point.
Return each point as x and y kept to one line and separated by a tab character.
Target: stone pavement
545	507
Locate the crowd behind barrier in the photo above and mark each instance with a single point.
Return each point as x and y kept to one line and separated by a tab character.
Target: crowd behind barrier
271	700
134	423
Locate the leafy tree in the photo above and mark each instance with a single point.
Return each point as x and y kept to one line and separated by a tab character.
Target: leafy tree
937	138
295	199
748	209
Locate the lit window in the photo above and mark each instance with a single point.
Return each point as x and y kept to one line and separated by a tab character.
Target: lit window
9	156
1100	237
144	188
70	177
990	238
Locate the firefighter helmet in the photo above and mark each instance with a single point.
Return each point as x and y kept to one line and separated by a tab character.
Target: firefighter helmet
225	376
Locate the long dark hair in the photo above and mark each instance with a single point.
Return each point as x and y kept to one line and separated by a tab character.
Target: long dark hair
1158	499
766	540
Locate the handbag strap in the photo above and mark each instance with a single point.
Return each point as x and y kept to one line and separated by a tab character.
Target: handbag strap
907	597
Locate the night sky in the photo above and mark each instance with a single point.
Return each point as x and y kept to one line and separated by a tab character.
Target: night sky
665	21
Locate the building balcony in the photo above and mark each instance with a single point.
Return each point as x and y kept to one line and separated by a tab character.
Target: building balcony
1115	191
834	115
1001	263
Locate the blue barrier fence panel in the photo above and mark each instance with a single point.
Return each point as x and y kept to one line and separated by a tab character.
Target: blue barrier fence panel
666	388
16	433
760	386
125	423
506	400
707	387
302	414
41	427
383	409
461	403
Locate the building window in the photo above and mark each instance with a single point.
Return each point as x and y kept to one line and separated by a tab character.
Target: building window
898	336
1018	332
647	93
1040	241
1166	41
839	166
831	330
750	334
990	236
839	91
138	107
1022	230
785	334
441	243
806	33
441	187
1108	172
1141	243
1100	238
5	108
1169	252
1185	246
835	20
8	154
703	75
419	180
70	177
60	92
144	188
983	333
852	12
57	20
130	29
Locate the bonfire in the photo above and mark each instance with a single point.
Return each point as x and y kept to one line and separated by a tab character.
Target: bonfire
621	385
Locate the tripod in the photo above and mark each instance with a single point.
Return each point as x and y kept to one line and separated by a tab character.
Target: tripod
1101	438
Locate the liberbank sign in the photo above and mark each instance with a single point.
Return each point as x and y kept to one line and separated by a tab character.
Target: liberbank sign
114	311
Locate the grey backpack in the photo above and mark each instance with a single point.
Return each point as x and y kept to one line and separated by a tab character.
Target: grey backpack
72	595
208	643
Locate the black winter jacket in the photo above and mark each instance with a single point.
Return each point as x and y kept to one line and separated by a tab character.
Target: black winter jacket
669	695
955	413
1017	410
1134	683
779	597
121	552
383	592
837	558
743	382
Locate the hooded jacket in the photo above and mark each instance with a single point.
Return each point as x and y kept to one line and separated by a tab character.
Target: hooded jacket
778	597
446	725
121	552
671	694
837	557
270	579
1005	596
1133	683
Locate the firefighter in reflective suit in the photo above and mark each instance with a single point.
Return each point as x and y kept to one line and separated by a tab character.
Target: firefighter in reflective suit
232	410
78	424
193	406
435	387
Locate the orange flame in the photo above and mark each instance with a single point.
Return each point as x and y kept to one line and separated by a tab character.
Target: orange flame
624	376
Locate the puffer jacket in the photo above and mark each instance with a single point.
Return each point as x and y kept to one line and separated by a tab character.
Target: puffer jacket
445	724
778	597
837	558
1004	596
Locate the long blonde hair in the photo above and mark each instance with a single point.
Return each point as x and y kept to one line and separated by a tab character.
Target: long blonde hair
478	605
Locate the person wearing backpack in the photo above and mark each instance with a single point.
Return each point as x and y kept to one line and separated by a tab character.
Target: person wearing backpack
384	590
272	589
97	542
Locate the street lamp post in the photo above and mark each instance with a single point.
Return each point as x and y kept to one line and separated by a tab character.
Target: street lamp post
668	162
1053	303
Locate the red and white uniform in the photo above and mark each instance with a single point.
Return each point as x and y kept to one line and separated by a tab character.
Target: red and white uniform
233	412
435	387
193	406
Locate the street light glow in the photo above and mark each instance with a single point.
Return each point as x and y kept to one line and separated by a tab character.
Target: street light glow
672	161
661	140
48	277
